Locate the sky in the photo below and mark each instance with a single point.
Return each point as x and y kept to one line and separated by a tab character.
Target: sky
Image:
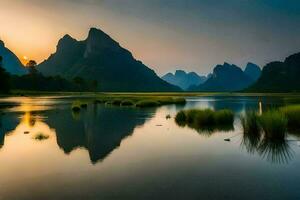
194	35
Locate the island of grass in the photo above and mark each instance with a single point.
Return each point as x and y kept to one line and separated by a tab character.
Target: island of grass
206	120
41	136
140	101
273	123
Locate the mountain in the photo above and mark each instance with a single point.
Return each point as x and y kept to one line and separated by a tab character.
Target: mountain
101	58
10	62
253	71
279	76
225	78
184	80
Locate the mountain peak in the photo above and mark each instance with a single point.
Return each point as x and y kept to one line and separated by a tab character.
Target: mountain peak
98	41
253	71
180	73
2	43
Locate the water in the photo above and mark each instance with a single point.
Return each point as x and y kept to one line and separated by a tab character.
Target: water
128	153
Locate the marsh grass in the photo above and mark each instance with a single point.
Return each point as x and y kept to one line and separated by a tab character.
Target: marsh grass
292	114
250	123
275	151
181	118
127	103
141	101
147	103
206	120
41	136
274	124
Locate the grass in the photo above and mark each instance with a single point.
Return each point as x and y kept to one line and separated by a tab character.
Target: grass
78	105
250	123
127	103
140	101
274	124
181	118
41	137
292	114
147	103
206	120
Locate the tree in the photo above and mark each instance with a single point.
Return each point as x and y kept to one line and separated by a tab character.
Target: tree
31	65
4	79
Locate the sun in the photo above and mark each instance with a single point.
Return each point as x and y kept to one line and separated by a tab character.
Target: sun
25	58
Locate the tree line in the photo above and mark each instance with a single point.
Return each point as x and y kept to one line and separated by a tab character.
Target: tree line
36	81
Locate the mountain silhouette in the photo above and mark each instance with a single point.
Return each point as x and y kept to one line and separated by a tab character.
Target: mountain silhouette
101	58
10	61
253	71
279	76
184	80
225	78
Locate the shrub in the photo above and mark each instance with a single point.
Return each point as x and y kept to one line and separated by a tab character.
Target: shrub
274	124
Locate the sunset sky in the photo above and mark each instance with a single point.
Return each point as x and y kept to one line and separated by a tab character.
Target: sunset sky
165	34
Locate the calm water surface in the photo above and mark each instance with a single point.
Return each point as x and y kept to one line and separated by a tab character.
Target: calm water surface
128	153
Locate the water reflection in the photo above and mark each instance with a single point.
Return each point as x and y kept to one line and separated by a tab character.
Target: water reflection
273	150
98	129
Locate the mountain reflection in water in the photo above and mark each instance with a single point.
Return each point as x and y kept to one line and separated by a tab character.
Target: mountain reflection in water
98	129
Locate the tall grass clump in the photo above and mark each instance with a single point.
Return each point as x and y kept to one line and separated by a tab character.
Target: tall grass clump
147	103
224	117
292	114
181	118
250	123
206	119
274	124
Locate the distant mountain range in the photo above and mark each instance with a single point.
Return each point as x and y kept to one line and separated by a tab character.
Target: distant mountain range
229	78
10	62
183	79
279	76
101	58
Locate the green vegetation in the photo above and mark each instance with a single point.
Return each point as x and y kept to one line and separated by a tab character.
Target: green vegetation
274	124
206	120
147	103
140	101
127	103
78	105
250	123
292	113
41	137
